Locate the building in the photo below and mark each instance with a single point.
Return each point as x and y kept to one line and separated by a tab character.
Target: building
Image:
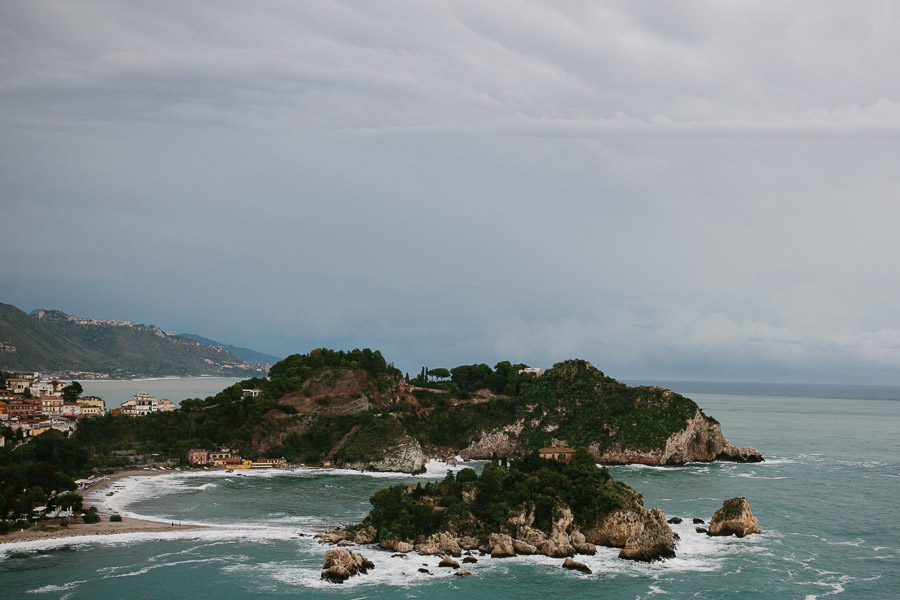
51	405
268	463
24	408
64	424
219	456
250	393
532	370
197	456
165	405
565	455
91	406
71	409
42	389
18	385
140	404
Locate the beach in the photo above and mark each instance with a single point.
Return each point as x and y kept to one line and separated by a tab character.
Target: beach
51	528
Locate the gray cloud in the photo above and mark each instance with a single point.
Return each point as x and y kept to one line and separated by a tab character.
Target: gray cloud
700	190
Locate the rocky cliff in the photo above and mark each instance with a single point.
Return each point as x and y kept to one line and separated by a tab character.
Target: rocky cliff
701	440
404	456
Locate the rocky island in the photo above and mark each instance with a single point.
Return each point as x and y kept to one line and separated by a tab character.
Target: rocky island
530	506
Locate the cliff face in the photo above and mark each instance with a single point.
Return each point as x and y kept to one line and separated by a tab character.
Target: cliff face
701	440
406	456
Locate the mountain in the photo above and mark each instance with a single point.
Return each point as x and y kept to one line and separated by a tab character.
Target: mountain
52	341
251	356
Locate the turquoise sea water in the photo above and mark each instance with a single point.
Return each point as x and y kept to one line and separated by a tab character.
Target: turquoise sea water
825	498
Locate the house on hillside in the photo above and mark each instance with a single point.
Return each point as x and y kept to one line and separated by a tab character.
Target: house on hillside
197	456
565	455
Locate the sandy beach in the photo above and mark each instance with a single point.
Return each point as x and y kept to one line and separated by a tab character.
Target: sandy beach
51	529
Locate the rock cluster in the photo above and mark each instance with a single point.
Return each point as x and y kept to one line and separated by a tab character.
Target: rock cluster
643	535
339	565
734	518
406	456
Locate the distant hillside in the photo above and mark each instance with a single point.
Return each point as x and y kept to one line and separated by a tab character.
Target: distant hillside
252	356
52	341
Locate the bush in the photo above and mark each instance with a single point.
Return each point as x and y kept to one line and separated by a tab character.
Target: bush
91	517
115	518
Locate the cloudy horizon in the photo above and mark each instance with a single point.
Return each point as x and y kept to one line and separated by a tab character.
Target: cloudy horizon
692	190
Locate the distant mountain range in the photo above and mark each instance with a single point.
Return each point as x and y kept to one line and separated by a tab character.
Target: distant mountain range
52	341
252	356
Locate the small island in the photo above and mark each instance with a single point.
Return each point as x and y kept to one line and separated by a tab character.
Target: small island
530	505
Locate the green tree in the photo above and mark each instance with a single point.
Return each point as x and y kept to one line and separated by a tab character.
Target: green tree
71	392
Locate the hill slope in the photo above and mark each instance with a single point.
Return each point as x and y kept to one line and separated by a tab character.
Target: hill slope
251	356
52	341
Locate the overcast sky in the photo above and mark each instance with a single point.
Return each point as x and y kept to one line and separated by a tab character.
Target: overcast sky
688	190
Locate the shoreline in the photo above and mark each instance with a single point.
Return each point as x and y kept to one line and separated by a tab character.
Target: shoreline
105	526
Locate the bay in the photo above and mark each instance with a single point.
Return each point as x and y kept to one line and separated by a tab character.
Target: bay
116	391
825	498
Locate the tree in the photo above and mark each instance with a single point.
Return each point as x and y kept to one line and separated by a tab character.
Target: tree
71	392
439	373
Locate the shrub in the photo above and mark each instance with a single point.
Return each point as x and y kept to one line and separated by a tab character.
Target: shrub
115	518
91	517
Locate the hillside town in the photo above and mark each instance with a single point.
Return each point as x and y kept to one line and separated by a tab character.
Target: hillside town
30	406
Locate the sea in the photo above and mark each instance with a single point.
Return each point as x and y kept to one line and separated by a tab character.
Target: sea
116	391
827	498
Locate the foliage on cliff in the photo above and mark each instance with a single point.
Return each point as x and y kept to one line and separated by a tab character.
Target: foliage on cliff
475	505
576	402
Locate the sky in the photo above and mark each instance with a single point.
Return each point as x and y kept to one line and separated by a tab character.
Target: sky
676	190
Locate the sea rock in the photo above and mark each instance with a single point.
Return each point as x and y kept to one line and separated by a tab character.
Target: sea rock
439	543
700	529
365	535
501	546
345	543
576	566
746	454
654	542
581	545
396	546
467	543
530	535
616	528
524	547
734	518
424	570
332	536
339	565
699	521
470	559
674	521
463	573
448	562
403	456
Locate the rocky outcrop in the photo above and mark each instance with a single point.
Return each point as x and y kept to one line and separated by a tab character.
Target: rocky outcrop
655	542
439	543
501	546
396	546
700	441
340	565
642	534
576	566
446	561
734	518
503	442
406	456
745	454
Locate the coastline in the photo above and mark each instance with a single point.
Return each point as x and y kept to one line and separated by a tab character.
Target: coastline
105	526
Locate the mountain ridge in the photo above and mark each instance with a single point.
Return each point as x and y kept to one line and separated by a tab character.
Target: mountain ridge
53	341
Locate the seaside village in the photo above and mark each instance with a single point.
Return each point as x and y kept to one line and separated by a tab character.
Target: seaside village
30	406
